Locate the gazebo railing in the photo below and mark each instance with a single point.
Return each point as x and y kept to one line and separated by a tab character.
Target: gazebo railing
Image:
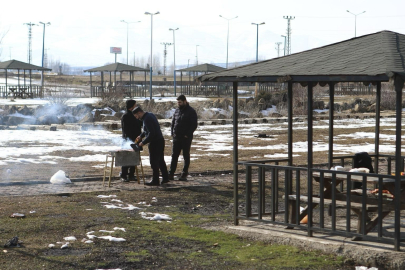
279	195
126	90
21	91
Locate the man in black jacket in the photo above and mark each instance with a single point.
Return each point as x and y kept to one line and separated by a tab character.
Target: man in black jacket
131	128
152	135
184	123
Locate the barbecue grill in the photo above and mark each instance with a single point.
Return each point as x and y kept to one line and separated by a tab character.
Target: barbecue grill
122	157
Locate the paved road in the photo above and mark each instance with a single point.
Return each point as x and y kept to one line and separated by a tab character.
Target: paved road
35	188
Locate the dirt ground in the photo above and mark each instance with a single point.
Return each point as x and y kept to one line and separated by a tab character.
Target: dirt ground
182	243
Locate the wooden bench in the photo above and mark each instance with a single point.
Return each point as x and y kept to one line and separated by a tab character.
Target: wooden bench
355	205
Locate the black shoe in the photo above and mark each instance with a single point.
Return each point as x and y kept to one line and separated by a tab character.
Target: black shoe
183	176
132	178
165	181
171	177
151	183
124	179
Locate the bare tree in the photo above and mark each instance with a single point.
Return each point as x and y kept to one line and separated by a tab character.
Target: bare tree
3	33
59	67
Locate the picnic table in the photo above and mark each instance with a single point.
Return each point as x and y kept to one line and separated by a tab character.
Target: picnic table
360	202
19	92
12	91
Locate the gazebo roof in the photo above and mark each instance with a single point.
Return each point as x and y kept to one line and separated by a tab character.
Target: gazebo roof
15	64
203	68
370	57
116	67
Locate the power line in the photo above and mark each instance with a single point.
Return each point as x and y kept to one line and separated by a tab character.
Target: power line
164	55
288	45
29	40
278	48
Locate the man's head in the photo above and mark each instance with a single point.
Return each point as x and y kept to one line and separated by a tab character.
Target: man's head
138	112
181	101
130	104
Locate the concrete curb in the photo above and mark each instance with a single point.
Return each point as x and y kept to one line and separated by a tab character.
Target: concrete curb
115	125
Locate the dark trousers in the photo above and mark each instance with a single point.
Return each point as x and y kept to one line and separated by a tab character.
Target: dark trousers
179	145
125	169
157	160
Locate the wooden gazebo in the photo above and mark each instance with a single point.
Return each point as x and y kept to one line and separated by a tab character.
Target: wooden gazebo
191	89
111	85
21	89
373	58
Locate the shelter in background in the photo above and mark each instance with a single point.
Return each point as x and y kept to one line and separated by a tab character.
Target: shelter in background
207	89
106	86
22	89
373	58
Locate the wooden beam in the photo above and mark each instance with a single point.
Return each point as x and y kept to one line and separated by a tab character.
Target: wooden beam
324	78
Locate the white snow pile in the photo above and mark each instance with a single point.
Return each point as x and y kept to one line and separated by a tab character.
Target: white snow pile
155	216
120	205
60	178
70	238
112	238
106	196
129	207
269	111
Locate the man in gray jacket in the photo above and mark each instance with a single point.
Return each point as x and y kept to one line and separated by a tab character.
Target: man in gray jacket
184	123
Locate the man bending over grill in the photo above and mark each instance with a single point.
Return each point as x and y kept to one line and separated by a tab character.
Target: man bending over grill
152	135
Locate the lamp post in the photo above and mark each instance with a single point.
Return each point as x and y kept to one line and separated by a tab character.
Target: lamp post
127	34
227	39
43	52
257	40
174	55
355	20
284	42
151	38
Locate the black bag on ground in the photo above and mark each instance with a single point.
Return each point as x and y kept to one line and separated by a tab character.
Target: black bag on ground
362	160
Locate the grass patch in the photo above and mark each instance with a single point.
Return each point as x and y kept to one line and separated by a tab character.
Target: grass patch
179	244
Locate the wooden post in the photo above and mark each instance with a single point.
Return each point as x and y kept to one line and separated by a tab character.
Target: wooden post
235	152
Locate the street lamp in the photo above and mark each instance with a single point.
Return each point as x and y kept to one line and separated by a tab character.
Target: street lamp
151	38
257	40
174	55
355	19
227	39
127	34
43	51
284	42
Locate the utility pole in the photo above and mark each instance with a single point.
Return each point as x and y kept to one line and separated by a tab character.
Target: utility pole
196	54
29	40
285	38
164	55
46	58
278	48
288	44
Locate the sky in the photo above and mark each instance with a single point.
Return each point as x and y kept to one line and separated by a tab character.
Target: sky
82	32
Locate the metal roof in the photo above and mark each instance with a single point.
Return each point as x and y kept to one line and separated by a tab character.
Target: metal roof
116	67
15	64
203	68
371	57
